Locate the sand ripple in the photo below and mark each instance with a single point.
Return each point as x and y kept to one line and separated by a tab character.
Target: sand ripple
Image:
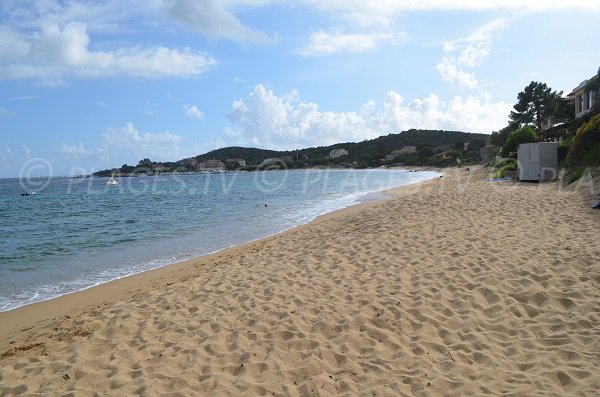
461	289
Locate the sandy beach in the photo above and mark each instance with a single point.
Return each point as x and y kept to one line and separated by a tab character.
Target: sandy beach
457	286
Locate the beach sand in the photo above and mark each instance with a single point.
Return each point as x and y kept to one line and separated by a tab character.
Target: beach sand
456	286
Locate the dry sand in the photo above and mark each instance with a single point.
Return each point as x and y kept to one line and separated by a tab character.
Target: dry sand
463	288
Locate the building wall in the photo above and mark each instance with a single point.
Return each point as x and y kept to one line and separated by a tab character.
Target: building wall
335	153
408	150
584	99
211	165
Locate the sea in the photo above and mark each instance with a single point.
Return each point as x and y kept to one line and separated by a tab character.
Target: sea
78	232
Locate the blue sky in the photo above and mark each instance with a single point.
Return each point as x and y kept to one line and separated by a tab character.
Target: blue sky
88	85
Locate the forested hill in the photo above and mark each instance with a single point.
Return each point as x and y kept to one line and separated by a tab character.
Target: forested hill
250	155
366	150
430	145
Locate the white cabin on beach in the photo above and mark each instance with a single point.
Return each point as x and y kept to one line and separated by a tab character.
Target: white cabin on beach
537	161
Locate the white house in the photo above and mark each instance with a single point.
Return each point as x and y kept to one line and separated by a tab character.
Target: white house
407	150
336	153
584	96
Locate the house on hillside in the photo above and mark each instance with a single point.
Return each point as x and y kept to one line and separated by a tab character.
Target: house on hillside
585	96
488	154
211	165
337	153
239	162
447	155
406	150
158	168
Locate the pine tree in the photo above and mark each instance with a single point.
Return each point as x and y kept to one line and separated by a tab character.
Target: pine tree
535	102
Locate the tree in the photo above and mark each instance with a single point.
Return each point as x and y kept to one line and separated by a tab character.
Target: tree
499	137
535	102
524	134
476	144
426	152
145	163
565	111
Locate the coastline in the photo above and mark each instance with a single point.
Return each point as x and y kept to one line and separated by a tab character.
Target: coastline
105	293
452	286
147	251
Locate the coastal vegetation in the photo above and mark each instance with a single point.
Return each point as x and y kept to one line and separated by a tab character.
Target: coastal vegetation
525	134
431	148
543	114
536	102
585	147
506	165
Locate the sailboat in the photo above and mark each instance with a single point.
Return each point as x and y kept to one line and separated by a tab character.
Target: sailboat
112	181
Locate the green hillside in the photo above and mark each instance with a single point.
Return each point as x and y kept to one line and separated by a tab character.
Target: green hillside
430	145
251	155
376	148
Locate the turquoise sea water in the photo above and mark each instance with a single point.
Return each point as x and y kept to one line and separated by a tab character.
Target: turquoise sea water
78	232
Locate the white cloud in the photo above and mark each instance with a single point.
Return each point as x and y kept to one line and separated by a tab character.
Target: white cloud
214	21
124	144
323	43
23	98
27	151
193	111
383	11
5	112
54	53
12	43
98	15
471	114
160	146
150	109
449	71
76	151
6	156
283	122
467	52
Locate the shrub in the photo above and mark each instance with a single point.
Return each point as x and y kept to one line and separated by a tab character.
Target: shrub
524	134
506	165
503	162
585	149
563	150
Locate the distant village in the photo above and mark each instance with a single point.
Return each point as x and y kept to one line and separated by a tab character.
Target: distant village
339	158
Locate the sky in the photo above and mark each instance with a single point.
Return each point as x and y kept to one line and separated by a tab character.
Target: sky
90	85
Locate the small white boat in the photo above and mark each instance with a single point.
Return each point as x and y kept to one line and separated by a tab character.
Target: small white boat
112	182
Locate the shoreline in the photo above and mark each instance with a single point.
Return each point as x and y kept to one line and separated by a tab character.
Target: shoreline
25	315
192	250
457	286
